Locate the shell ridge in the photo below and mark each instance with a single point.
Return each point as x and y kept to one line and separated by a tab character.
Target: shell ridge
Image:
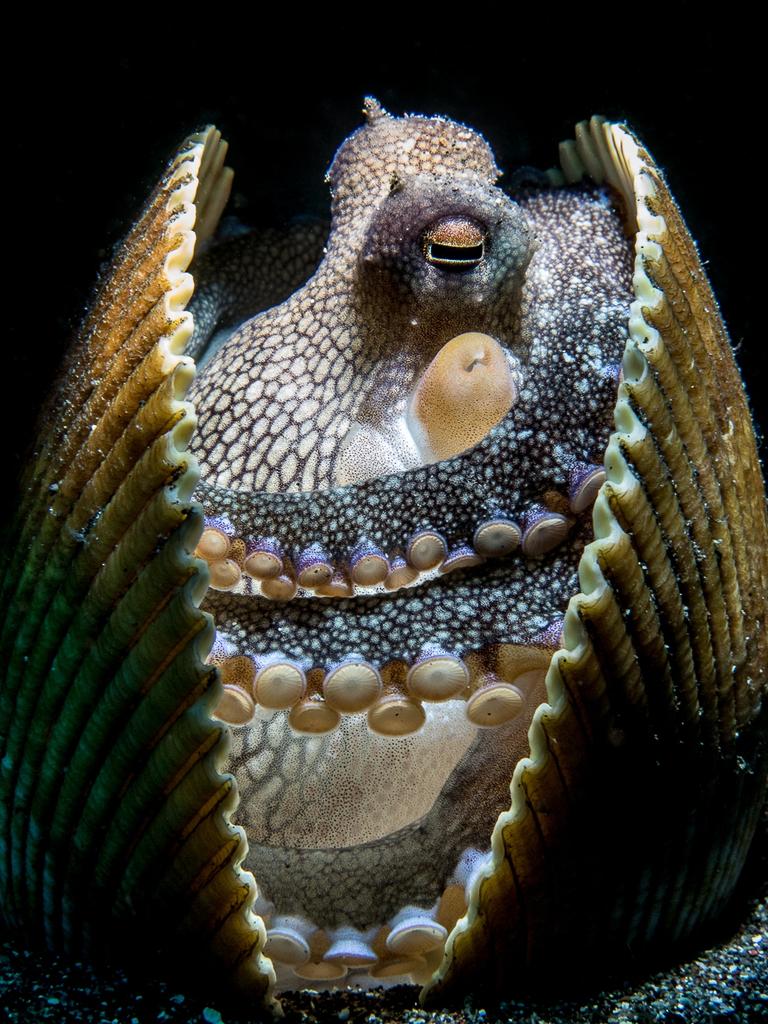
60	431
69	605
77	632
711	526
51	508
678	564
635	514
168	629
103	653
728	402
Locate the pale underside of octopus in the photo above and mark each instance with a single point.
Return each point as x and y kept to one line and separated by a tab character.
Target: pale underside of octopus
418	436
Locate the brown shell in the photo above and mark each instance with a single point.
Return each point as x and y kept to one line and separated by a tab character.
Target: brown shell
111	786
631	819
630	823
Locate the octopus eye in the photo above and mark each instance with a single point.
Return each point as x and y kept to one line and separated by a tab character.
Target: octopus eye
454	242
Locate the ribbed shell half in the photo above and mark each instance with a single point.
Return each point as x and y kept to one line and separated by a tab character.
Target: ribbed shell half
629	822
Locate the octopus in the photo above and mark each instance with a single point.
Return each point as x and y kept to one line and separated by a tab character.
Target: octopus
409	624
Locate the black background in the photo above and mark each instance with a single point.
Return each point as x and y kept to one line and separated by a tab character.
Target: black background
90	123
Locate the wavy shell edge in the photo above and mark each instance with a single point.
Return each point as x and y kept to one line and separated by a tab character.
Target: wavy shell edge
605	151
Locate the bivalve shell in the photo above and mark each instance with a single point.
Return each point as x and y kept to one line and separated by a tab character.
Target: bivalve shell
632	814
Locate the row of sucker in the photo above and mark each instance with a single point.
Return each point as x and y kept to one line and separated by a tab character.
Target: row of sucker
264	566
389	802
406	948
392	695
460	612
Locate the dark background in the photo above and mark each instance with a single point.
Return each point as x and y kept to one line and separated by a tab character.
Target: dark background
91	129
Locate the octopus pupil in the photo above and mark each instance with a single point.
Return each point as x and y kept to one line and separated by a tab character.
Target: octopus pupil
454	255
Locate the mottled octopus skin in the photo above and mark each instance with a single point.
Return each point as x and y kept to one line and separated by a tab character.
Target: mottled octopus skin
251	272
555	291
631	818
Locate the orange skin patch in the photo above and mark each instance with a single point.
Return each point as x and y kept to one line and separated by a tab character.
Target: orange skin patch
465	391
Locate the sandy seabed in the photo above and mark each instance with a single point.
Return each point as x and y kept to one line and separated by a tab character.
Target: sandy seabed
725	984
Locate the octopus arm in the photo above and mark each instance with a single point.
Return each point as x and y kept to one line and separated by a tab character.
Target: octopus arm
247	274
